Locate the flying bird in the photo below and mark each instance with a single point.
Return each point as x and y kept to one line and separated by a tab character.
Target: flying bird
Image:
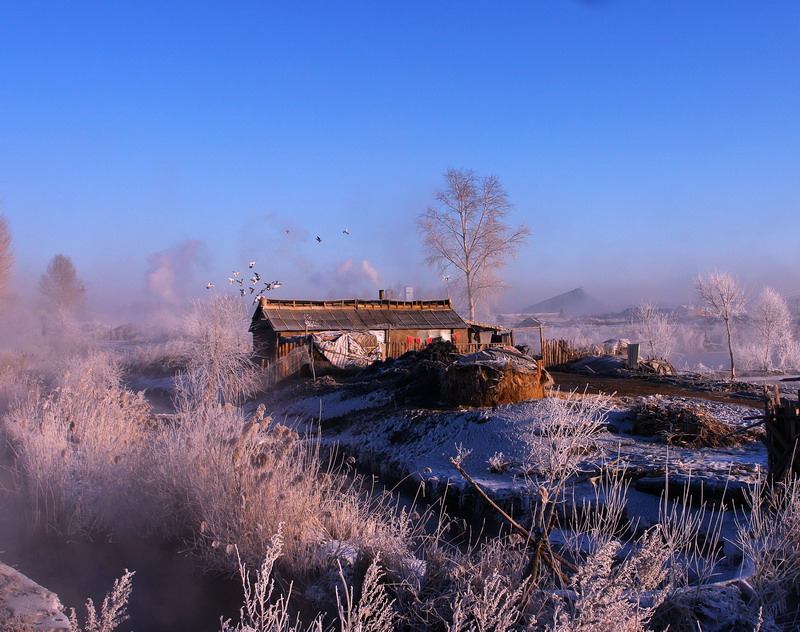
231	279
252	289
267	287
251	264
240	281
257	277
242	292
319	239
286	231
209	286
346	231
235	273
446	278
276	284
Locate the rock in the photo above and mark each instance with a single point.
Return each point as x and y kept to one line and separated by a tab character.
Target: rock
25	605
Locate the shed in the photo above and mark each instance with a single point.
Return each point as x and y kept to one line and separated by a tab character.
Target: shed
484	333
390	321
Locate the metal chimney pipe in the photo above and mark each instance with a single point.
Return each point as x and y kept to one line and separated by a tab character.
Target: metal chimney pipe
381	294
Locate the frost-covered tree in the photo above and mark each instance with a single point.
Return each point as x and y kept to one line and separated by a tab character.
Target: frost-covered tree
217	351
773	323
723	296
6	255
466	235
657	329
61	288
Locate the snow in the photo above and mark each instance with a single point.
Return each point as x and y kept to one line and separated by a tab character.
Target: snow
420	442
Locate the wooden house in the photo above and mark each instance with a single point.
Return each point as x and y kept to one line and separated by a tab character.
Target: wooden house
397	325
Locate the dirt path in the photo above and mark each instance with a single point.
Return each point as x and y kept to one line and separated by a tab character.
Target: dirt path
632	387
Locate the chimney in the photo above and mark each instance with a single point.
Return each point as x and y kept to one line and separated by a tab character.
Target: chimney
381	295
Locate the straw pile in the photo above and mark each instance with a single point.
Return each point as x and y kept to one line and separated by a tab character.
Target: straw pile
502	378
684	425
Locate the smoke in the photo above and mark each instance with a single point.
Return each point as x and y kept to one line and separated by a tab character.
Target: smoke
171	271
352	278
370	272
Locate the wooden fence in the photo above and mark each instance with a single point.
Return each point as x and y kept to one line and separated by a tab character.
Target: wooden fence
287	347
290	363
782	423
290	356
555	352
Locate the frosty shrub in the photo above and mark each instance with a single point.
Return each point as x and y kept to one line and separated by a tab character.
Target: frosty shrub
112	612
264	610
494	605
216	352
788	355
772	322
234	480
78	445
607	595
656	329
18	376
771	544
559	439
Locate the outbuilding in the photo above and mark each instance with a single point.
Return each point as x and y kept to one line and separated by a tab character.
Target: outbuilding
396	325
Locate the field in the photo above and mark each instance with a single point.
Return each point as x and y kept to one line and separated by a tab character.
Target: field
350	503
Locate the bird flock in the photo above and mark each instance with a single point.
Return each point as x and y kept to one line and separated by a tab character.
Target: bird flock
255	286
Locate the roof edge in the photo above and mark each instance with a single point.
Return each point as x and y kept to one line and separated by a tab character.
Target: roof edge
446	303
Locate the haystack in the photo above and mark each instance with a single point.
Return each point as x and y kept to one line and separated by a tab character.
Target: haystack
492	377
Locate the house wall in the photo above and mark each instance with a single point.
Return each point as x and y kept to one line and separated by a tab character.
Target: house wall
401	336
265	343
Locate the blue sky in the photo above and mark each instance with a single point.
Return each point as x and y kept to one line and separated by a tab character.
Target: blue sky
643	142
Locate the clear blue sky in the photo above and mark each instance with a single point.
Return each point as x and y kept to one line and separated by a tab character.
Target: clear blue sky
644	142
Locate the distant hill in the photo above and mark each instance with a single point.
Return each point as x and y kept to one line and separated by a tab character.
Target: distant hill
573	303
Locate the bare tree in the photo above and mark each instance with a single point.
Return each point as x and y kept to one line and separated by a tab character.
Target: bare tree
467	237
61	288
656	329
723	296
772	321
6	255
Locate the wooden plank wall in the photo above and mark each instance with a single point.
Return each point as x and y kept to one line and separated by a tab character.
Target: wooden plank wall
396	349
555	352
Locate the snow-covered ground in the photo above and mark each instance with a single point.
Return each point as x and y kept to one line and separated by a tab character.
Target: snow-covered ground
412	444
398	442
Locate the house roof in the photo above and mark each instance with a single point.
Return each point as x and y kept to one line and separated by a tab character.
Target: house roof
485	326
530	321
355	315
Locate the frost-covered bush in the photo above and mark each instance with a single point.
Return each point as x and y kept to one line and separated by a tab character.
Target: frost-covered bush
215	349
770	541
78	445
234	480
655	329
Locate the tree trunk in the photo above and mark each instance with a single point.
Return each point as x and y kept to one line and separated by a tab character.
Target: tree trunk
470	296
730	347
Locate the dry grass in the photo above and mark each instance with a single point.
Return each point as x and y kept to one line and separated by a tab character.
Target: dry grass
684	425
77	445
